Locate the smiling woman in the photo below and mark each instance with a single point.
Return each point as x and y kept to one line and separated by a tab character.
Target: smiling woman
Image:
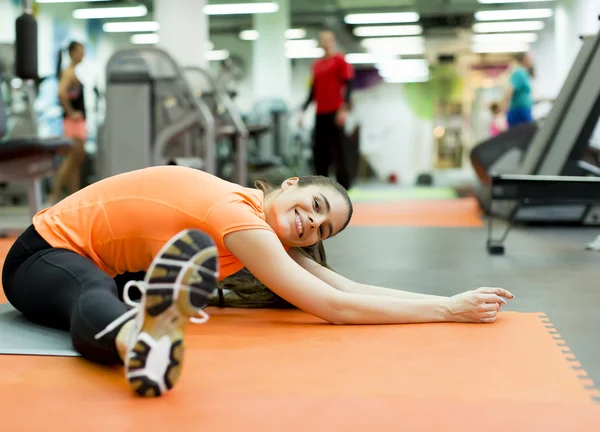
188	230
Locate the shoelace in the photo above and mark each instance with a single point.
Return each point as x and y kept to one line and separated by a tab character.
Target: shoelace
141	286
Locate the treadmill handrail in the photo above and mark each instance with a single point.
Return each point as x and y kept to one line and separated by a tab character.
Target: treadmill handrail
234	114
191	120
224	98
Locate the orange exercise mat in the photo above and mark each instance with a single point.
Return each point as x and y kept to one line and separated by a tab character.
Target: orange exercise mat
463	212
256	370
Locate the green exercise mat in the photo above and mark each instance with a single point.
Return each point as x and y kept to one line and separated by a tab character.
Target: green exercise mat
401	194
21	337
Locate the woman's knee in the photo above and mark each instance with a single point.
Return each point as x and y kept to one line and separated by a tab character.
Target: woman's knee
96	309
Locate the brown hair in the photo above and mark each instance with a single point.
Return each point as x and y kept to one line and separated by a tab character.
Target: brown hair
519	57
315	180
71	48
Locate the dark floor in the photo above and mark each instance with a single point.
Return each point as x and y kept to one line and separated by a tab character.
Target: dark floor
547	269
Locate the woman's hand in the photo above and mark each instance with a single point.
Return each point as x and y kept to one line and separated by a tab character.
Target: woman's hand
478	306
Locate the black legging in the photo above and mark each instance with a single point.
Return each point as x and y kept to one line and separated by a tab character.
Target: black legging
329	147
62	289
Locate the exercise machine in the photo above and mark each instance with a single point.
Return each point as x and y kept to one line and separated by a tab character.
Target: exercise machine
238	160
537	190
273	111
232	158
560	146
23	158
152	117
283	153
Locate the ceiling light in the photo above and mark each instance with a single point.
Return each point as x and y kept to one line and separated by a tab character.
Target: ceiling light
216	55
240	8
510	1
144	39
398	51
507	26
404	66
514	14
301	44
403	79
391	41
133	26
382	18
504	37
397	46
68	1
368	58
397	30
113	12
249	35
489	48
295	33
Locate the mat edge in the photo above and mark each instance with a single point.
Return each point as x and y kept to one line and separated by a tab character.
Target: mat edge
587	382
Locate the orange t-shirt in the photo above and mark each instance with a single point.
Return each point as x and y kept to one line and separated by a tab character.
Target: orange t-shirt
121	222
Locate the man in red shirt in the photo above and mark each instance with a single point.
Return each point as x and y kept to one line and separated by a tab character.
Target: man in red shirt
331	77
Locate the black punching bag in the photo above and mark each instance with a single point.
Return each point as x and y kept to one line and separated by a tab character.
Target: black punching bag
26	48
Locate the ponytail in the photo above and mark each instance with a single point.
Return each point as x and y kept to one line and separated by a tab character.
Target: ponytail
59	64
72	47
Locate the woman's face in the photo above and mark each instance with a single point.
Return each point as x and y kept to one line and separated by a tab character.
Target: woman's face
303	216
77	54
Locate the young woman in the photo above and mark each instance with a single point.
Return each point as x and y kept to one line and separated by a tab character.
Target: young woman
190	229
518	100
70	95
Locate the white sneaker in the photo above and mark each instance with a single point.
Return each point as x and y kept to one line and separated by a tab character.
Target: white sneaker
176	288
595	245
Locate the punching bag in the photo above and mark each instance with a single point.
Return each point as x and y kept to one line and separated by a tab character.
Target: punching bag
26	48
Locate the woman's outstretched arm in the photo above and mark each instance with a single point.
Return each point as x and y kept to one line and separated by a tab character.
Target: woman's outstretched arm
344	284
262	254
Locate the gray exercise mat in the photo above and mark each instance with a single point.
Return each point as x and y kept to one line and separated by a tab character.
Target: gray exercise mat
22	337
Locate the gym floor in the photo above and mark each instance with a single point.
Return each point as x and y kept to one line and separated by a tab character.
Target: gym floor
437	246
534	369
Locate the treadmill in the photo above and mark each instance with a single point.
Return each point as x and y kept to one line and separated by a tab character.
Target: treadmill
560	146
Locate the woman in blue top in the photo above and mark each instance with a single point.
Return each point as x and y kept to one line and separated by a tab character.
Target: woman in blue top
517	97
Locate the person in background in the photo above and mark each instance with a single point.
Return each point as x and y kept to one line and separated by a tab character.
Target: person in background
70	94
330	90
518	101
498	122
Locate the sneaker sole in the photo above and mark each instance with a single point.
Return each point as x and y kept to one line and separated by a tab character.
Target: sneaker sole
155	360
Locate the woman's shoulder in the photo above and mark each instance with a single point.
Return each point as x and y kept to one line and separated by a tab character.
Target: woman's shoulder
237	195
